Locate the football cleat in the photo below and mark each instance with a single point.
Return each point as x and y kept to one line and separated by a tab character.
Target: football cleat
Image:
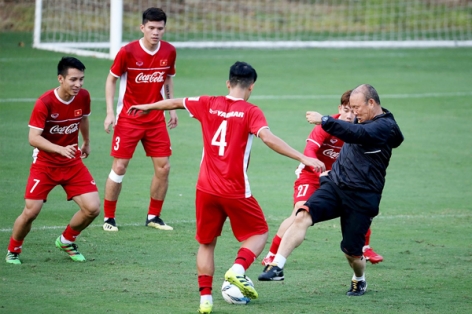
158	223
372	257
13	258
358	288
267	260
110	225
70	249
205	307
241	282
272	272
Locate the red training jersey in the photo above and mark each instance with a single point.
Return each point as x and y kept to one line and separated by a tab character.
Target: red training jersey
323	146
59	120
142	75
228	128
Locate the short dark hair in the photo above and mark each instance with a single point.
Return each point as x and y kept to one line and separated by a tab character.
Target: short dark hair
345	97
154	15
67	63
243	74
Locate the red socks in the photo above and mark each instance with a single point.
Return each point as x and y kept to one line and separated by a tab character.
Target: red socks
70	234
275	244
205	283
367	237
15	245
155	207
245	258
109	208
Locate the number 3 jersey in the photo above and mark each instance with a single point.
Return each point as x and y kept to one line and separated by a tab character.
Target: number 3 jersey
228	127
59	121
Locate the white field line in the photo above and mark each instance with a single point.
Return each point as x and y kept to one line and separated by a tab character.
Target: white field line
297	97
272	218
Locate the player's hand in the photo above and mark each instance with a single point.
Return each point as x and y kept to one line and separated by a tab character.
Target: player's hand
138	109
109	122
173	121
313	117
85	150
68	151
316	164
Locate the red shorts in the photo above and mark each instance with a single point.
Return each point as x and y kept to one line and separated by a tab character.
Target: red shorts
245	215
75	180
156	141
303	187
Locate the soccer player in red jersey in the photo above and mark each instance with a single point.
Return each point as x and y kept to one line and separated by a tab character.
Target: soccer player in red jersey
57	117
145	68
229	124
325	147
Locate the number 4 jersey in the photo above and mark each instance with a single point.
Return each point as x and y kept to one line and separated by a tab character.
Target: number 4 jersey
228	127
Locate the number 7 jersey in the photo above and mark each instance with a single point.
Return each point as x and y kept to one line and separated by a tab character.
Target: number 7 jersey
228	127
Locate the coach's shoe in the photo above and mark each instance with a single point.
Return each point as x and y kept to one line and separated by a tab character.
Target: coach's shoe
240	281
71	249
205	307
110	225
158	223
358	288
267	260
13	258
272	272
372	257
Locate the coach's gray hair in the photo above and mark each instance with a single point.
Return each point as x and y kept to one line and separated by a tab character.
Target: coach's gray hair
368	91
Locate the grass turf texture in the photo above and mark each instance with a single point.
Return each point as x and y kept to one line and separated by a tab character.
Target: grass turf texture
423	230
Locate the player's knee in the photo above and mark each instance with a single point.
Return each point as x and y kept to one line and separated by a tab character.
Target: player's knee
113	176
303	217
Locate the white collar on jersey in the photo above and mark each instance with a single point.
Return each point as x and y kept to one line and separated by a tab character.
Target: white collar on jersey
147	50
60	99
233	98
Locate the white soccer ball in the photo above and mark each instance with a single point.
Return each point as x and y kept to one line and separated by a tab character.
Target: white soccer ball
232	294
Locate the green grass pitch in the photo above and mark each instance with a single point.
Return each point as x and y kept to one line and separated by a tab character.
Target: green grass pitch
423	230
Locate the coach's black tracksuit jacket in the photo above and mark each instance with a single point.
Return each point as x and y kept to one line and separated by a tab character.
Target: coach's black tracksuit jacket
364	157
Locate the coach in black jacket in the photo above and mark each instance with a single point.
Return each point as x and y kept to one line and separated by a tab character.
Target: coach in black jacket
353	188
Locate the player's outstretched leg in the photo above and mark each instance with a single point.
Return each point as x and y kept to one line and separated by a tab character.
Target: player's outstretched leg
71	250
240	281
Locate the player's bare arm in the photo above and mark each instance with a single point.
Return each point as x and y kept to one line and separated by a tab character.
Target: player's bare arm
278	145
84	130
169	94
313	117
168	104
36	140
110	87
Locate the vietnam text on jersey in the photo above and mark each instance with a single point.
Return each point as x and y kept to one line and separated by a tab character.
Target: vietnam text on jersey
228	127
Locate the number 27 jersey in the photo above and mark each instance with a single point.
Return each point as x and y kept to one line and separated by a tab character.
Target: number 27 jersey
228	127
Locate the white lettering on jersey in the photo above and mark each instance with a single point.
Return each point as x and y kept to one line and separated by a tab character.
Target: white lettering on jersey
231	114
331	153
155	77
69	129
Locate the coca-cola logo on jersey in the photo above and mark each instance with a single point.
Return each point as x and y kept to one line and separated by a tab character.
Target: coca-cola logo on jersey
155	77
331	153
68	129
